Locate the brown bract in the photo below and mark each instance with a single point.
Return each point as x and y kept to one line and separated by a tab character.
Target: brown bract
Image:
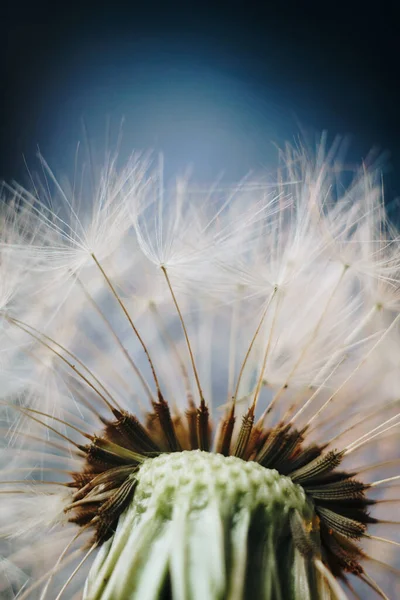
106	484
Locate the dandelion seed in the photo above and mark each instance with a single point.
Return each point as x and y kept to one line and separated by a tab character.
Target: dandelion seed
130	315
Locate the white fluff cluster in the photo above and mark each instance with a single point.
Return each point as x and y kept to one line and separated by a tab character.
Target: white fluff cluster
305	260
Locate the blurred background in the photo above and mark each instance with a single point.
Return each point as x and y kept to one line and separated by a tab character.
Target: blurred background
214	85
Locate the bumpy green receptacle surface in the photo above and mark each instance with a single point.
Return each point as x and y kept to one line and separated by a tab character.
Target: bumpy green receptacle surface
203	526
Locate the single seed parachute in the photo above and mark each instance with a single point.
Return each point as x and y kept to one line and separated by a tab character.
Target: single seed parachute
200	389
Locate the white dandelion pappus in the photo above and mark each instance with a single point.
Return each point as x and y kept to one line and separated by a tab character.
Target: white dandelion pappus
81	218
164	339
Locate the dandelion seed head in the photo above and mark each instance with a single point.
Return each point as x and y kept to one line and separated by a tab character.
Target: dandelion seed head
147	326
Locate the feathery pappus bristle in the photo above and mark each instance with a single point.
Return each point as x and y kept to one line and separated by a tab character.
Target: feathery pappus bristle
199	388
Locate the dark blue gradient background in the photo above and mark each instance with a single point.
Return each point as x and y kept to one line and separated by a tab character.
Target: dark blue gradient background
211	85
